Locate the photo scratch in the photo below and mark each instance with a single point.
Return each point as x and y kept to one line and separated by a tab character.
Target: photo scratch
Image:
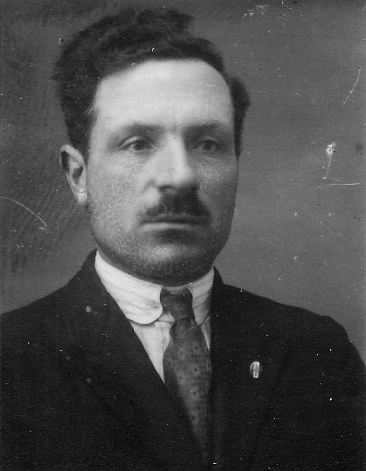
342	184
354	86
281	18
329	151
27	209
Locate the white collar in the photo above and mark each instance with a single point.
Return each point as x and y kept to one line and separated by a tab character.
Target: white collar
140	300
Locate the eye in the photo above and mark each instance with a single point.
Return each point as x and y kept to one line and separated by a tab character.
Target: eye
208	145
137	145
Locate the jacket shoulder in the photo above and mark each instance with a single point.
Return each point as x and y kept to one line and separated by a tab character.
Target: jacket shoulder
57	309
300	326
24	319
270	309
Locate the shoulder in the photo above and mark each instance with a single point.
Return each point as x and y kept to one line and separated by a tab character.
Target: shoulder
304	334
269	312
58	311
23	320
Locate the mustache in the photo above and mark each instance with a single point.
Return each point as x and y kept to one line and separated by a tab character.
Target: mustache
179	204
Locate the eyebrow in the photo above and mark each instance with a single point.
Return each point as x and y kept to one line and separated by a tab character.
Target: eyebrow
215	127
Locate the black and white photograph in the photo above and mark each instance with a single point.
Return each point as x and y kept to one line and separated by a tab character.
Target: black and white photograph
183	238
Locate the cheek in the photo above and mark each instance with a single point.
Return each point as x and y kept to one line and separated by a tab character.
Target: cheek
110	199
221	184
115	179
105	184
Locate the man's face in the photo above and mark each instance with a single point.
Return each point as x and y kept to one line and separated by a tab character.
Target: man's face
162	170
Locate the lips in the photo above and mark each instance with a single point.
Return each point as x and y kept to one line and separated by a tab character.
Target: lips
177	218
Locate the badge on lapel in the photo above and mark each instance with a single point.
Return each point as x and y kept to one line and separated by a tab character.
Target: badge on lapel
256	369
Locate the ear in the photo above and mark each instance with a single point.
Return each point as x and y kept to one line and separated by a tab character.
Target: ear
73	164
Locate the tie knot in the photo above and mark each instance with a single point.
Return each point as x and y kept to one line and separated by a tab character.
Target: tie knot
179	305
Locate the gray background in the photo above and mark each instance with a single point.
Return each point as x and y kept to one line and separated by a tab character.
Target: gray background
299	230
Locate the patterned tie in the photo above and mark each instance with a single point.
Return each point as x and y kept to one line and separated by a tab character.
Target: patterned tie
187	366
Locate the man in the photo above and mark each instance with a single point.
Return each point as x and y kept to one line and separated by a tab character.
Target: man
145	360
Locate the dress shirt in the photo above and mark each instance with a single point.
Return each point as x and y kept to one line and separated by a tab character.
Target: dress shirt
140	302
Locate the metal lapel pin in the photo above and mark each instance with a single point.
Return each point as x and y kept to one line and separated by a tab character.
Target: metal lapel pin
256	369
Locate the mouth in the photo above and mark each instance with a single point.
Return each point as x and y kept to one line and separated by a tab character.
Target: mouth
177	219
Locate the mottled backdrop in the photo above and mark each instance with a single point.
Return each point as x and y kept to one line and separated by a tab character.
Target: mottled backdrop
299	232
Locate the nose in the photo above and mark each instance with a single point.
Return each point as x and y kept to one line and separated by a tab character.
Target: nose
174	168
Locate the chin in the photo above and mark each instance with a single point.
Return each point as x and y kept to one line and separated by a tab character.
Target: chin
170	272
164	262
177	264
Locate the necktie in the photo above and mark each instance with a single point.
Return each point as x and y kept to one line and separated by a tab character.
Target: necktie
187	366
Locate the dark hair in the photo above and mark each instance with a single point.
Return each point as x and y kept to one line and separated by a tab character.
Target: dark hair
117	42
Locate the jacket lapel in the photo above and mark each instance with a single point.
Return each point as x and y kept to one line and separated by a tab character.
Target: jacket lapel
241	335
117	368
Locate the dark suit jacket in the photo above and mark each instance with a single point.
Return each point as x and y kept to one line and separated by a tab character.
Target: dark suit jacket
79	391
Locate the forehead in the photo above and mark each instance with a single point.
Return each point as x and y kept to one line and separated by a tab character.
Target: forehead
173	92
